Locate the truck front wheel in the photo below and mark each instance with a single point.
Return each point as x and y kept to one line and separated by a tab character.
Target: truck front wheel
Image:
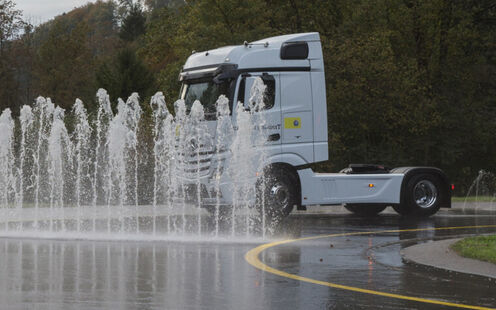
365	210
422	196
279	195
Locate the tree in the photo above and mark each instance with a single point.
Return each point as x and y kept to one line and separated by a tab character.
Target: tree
10	22
153	5
158	52
64	65
10	26
125	75
22	55
133	24
8	87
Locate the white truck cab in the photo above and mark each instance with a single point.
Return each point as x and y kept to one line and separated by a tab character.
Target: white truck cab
292	68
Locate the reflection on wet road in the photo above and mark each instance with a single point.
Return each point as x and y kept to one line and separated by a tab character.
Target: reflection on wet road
47	274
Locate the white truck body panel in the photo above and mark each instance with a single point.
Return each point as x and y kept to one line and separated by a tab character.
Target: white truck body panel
338	188
256	55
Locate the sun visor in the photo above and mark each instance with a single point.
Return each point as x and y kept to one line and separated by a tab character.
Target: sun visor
217	72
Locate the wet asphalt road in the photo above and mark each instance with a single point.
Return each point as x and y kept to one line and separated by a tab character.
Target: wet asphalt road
51	274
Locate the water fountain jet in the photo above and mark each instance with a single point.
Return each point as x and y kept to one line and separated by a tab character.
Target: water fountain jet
86	178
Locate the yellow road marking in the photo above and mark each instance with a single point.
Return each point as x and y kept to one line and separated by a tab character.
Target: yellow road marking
252	257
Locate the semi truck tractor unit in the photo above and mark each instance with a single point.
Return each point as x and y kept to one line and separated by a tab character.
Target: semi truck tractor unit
295	114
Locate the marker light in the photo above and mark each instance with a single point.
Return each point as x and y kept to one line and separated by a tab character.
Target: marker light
371	185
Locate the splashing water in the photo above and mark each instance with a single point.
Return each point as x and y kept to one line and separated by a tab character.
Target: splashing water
240	168
178	184
198	142
245	167
483	191
44	109
58	145
100	159
82	136
26	120
7	185
117	141
257	94
223	139
163	156
101	177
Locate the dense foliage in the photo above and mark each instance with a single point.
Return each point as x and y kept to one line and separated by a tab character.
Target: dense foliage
408	82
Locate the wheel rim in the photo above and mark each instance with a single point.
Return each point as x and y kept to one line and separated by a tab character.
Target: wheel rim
279	194
425	194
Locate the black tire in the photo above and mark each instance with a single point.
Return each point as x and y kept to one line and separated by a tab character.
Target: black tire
277	193
365	210
422	197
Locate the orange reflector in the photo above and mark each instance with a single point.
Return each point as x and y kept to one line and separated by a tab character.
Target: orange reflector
371	185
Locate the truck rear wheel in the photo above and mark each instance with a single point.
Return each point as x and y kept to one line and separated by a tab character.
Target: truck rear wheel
279	194
422	197
365	210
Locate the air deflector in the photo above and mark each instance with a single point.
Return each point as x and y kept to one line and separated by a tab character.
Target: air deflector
294	50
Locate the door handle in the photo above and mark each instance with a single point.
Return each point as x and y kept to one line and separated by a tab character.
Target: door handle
274	137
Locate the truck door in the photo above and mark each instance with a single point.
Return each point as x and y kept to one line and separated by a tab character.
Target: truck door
271	114
297	117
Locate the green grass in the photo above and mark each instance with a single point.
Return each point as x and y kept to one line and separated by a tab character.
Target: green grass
480	247
474	199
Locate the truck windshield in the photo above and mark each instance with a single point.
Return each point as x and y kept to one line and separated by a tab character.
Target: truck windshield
207	92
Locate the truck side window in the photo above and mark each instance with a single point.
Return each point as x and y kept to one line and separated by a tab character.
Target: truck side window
270	91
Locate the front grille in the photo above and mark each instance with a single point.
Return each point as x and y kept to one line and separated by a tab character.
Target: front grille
196	163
